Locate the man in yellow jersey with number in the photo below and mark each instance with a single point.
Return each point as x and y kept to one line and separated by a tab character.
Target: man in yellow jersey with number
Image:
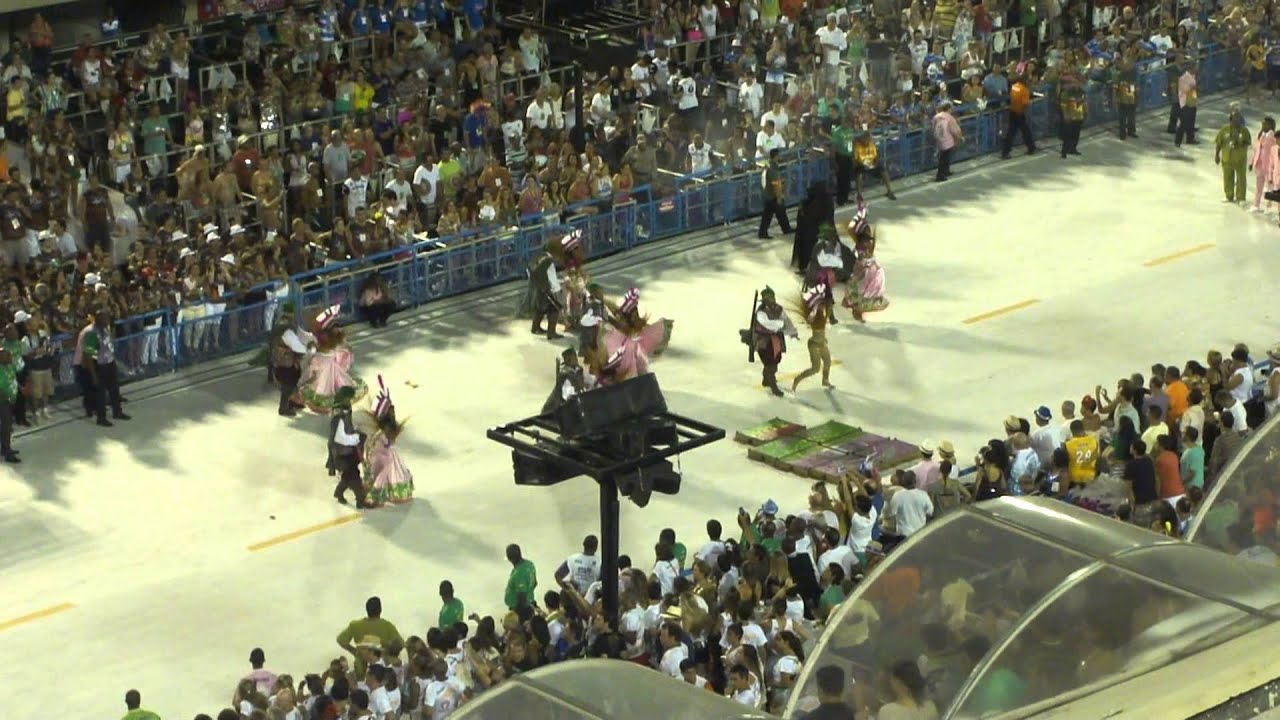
1082	457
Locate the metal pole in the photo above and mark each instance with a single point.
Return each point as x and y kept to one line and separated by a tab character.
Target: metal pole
579	134
609	523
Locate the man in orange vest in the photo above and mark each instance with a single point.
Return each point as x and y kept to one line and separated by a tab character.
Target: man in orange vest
1019	104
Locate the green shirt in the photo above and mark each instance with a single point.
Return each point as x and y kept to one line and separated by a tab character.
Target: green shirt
1233	142
681	552
448	171
140	714
15	351
523	581
450	614
374	631
842	139
1192	464
831	597
9	382
153	139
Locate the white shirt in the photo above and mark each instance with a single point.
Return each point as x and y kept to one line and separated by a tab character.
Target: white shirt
640	74
753	634
403	190
671	660
833	44
666	572
700	157
769	323
583	570
379	703
860	531
539	114
750	96
1244	390
788	664
632	623
1241	420
748	697
357	193
342	437
530	57
710	552
910	509
601	107
1044	440
426	179
766	142
780	120
292	337
840	555
688	93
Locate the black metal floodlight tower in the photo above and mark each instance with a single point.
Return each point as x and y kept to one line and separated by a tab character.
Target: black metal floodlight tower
621	436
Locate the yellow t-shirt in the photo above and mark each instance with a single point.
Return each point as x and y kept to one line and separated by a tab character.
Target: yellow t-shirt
362	99
1256	55
1082	457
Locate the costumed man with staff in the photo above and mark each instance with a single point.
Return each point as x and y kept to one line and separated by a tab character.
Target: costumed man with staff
775	199
770	328
345	450
545	288
289	347
594	314
815	309
571	379
1071	100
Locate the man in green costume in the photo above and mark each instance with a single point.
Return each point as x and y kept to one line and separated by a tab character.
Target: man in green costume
1231	151
522	582
842	142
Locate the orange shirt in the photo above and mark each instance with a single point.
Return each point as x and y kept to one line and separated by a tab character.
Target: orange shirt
1019	97
1168	474
1178	394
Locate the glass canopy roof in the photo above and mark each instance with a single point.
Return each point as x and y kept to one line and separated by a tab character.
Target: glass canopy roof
1238	515
1018	605
604	690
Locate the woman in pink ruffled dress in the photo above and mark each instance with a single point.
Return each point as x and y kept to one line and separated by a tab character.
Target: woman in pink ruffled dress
865	291
389	477
632	339
329	367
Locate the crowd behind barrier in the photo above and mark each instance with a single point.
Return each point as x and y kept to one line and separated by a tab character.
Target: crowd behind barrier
439	268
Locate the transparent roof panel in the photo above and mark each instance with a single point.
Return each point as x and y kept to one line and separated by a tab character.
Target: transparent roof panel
605	689
1106	627
1063	522
1238	515
967	576
1202	571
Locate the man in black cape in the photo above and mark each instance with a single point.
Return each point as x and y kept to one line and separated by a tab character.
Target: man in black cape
817	210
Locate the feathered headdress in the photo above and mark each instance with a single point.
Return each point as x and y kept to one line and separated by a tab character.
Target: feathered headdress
383	404
572	241
328	317
630	301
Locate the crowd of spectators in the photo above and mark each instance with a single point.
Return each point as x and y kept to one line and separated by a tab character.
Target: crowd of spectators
190	176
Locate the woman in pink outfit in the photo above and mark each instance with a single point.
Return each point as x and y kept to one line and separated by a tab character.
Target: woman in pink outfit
634	337
1263	160
329	367
389	477
865	292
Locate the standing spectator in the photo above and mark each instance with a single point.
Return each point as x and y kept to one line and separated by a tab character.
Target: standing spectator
8	398
369	630
40	38
336	159
99	358
946	135
1046	437
133	702
1082	456
451	611
1187	88
1168	473
774	198
1191	463
582	569
910	507
40	356
522	582
834	44
1231	151
842	142
1019	102
866	161
263	679
1140	474
97	215
1225	447
830	680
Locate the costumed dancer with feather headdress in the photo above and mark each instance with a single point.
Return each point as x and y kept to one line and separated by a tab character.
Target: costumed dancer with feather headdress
633	334
770	329
825	268
289	347
575	278
815	310
329	367
390	479
865	290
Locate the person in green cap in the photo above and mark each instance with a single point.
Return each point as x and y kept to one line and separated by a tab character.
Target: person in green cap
344	449
133	701
1231	151
771	327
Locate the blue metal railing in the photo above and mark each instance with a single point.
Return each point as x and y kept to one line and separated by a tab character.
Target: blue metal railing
429	271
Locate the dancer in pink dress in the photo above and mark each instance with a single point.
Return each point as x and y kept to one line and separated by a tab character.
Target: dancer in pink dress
636	337
329	367
1262	160
390	479
865	290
